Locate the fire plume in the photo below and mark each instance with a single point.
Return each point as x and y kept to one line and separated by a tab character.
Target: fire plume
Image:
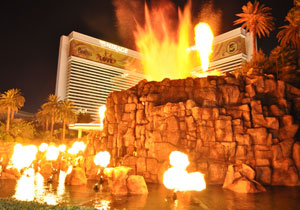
23	156
102	159
77	147
165	48
203	43
102	110
178	179
163	51
52	152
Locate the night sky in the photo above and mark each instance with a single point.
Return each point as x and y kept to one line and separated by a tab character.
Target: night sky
30	33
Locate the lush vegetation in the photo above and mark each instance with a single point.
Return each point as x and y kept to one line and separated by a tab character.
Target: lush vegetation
256	19
12	204
284	60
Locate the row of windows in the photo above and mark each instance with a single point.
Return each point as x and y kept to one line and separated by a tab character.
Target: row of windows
89	85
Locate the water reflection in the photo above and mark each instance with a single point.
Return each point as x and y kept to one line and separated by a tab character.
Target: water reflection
31	186
213	198
102	205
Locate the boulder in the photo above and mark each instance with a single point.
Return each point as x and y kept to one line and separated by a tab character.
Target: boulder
244	185
241	179
136	185
117	179
76	177
296	155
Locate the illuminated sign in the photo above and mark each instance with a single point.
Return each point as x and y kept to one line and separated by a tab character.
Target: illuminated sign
106	56
228	48
113	47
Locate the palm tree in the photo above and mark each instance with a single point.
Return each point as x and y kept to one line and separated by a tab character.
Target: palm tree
290	34
43	116
255	19
66	114
12	100
51	106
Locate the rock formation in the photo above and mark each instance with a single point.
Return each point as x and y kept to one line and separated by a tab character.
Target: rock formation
217	121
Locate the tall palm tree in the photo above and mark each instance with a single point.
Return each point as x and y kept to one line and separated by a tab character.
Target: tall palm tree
52	107
12	100
290	34
256	19
43	116
66	114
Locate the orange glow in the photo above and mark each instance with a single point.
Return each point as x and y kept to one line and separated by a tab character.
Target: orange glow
165	48
77	147
43	147
102	110
62	148
52	153
162	46
23	156
203	43
102	159
178	179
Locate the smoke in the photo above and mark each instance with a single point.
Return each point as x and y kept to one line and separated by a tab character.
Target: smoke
128	14
211	16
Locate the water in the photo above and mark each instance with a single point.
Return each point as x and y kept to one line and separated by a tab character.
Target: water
212	198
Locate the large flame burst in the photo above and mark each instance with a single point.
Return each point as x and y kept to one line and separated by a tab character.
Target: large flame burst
178	179
166	51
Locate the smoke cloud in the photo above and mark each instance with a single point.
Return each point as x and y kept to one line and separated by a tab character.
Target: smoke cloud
128	14
211	16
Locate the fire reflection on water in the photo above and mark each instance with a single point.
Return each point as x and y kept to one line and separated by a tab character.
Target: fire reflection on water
30	187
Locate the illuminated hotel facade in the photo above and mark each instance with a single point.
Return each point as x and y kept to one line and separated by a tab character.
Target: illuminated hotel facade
230	50
89	69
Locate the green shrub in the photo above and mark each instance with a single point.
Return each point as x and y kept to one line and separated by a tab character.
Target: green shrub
12	204
259	61
22	128
8	138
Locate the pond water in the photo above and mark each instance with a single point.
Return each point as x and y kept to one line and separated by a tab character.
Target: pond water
214	197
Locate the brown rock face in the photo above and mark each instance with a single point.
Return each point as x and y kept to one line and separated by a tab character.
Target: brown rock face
136	185
241	179
251	120
76	177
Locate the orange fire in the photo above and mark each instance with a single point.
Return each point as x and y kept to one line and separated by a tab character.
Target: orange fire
163	51
102	159
203	43
178	179
23	156
166	50
43	147
77	147
52	153
102	110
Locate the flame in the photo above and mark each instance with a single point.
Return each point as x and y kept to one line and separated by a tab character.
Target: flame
163	52
77	147
43	147
102	159
70	168
62	148
52	153
165	49
23	156
203	43
102	110
177	178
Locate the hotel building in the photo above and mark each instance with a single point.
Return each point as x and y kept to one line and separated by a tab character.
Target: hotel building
89	69
230	50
